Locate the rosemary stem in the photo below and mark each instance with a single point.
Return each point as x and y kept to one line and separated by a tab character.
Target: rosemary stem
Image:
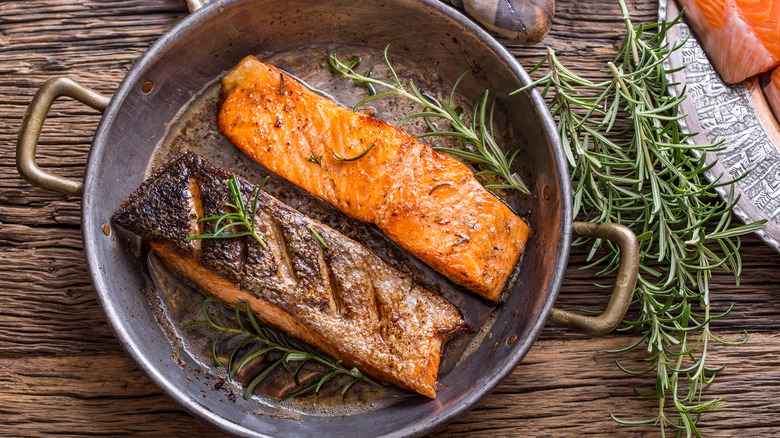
619	78
630	33
662	401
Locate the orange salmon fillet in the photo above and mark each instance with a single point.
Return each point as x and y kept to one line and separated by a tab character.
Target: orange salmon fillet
741	37
427	202
772	91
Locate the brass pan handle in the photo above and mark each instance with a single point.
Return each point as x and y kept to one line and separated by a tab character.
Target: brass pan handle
623	292
194	5
30	132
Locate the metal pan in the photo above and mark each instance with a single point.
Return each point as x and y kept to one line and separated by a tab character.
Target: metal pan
163	105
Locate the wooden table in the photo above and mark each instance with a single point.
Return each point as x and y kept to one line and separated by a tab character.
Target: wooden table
62	370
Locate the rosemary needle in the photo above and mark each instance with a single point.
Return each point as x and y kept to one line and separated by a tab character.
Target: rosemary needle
338	157
319	237
652	183
441	184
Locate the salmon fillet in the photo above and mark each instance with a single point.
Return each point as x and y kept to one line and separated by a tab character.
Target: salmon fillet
427	202
772	92
342	298
741	37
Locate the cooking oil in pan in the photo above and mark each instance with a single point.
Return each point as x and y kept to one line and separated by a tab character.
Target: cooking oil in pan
176	303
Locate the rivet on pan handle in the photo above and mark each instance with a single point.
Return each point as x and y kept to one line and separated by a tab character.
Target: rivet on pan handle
30	132
625	284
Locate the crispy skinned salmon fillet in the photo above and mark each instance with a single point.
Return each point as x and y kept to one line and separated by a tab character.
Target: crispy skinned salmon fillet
342	299
427	202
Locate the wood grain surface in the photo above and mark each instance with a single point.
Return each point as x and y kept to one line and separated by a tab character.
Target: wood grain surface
63	372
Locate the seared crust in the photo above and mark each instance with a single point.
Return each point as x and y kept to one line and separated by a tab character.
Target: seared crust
427	202
342	299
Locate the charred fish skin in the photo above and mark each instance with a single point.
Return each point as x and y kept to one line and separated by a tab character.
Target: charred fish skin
165	216
335	295
429	203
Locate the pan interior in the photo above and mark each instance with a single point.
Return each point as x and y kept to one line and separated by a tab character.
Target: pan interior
195	129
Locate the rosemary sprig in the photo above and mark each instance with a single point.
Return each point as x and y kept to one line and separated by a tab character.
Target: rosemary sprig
241	217
654	183
476	134
254	340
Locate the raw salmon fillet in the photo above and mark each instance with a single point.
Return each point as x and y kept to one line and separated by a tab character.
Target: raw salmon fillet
342	298
427	202
741	37
772	91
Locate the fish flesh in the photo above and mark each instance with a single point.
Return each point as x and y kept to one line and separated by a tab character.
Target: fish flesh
427	202
772	92
741	37
333	294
